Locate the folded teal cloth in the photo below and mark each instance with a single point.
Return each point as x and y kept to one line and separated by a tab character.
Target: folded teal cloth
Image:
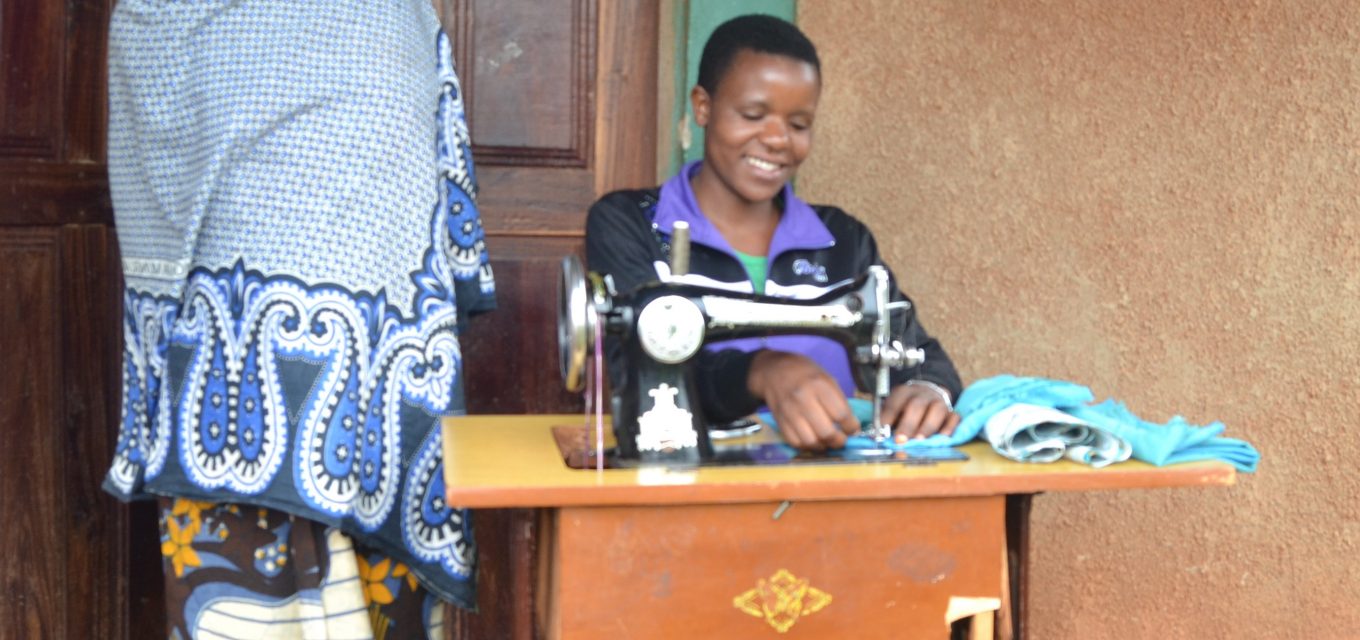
1157	444
1033	433
1173	441
982	399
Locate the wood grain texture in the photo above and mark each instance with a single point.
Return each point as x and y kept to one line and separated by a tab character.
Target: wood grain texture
65	569
562	109
85	103
32	490
887	568
626	116
530	82
1018	559
514	461
507	545
36	193
53	80
66	573
95	531
533	200
528	79
510	355
33	40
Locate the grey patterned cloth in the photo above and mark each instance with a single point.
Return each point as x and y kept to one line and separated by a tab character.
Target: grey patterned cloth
1032	433
294	200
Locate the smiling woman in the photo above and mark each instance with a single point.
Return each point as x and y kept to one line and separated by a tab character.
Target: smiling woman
756	98
758	130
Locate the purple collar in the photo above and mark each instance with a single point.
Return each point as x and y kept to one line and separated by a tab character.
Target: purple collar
799	227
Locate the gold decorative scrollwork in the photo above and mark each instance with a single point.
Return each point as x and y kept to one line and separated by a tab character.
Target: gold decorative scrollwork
782	599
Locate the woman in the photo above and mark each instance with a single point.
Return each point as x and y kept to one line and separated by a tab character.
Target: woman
759	84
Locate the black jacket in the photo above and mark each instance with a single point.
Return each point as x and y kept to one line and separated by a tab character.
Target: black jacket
622	241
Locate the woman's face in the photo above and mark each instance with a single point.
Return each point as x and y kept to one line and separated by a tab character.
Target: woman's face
758	124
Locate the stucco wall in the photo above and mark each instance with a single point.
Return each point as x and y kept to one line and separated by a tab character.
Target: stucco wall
1160	200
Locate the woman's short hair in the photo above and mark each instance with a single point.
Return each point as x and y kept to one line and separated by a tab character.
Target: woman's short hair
756	32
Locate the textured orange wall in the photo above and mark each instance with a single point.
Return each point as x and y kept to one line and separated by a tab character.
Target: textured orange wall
1160	200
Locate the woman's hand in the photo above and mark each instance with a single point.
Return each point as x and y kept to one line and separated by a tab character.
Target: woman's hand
917	411
808	404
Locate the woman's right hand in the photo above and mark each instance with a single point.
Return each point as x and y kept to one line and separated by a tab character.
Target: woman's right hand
806	401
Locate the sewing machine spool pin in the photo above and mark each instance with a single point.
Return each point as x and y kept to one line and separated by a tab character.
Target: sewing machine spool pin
679	248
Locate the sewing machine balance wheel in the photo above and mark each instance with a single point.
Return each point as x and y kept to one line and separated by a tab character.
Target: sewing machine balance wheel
576	323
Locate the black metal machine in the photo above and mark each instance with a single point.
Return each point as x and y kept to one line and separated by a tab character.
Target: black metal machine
665	323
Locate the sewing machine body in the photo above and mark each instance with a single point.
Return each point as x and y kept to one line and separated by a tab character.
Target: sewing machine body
663	326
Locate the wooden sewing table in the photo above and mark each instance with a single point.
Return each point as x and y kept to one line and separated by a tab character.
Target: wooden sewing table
875	550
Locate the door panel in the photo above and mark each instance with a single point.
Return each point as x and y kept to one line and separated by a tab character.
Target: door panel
562	109
31	37
528	71
30	487
65	573
592	130
65	568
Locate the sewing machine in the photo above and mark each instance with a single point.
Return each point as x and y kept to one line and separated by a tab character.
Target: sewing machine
664	324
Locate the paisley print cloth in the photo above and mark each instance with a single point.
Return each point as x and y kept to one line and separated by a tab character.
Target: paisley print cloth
294	199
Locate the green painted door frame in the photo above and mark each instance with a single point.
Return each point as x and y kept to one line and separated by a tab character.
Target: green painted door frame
694	21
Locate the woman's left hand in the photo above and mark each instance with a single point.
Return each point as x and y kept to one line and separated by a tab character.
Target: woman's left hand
917	411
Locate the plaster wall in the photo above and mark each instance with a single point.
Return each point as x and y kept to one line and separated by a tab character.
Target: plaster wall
1160	200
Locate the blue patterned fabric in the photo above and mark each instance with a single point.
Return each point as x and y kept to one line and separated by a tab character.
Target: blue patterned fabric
294	198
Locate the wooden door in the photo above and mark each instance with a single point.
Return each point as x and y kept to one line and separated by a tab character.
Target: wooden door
64	562
562	107
561	99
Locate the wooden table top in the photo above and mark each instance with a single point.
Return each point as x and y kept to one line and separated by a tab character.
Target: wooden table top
496	461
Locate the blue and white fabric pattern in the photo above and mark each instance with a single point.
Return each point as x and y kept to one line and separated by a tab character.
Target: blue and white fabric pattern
295	203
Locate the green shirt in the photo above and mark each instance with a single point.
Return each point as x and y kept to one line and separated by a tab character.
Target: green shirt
756	268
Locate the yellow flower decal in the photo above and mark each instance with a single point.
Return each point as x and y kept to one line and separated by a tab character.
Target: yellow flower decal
372	578
782	599
179	546
403	570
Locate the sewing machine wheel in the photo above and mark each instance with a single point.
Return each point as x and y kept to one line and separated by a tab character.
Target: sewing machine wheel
576	320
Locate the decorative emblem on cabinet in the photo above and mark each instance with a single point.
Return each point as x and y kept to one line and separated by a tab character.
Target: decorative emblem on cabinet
666	427
781	599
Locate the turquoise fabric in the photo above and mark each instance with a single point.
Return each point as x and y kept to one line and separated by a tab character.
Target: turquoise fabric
1172	442
982	399
1159	444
